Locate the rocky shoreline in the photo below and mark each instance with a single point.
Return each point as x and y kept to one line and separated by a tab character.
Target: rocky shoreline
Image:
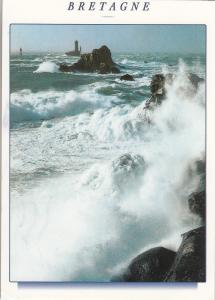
160	264
188	264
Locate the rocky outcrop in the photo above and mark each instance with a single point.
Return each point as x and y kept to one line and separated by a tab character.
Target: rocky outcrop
195	80
127	77
159	82
159	264
99	60
150	266
157	85
189	264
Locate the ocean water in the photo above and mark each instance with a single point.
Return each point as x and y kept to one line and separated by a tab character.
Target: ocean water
92	182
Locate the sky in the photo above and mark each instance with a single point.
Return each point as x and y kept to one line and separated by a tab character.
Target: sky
127	38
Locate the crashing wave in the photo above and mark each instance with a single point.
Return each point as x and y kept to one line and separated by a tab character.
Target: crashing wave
47	67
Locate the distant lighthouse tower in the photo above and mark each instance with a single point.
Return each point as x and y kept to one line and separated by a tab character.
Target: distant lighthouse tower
76	51
76	46
20	51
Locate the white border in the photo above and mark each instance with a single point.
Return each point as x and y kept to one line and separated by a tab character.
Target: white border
161	12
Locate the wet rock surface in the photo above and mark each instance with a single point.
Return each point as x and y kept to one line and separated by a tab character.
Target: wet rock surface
159	82
157	85
159	264
150	266
127	77
189	263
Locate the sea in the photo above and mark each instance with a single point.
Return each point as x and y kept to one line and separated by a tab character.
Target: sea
95	178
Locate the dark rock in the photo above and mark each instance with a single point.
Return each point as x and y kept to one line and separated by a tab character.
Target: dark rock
197	200
99	60
127	77
65	68
150	266
115	70
195	80
103	68
189	263
157	84
200	166
197	169
157	88
197	204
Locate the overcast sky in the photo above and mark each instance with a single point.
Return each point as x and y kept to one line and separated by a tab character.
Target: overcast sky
141	38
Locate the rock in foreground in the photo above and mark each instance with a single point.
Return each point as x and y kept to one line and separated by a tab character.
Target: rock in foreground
159	264
99	60
150	266
189	264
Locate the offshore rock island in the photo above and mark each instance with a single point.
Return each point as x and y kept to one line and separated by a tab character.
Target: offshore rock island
99	60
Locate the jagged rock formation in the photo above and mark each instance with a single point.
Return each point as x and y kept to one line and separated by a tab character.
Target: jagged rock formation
127	77
195	80
189	263
158	86
99	60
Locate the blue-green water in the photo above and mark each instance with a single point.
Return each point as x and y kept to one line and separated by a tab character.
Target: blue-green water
26	80
92	182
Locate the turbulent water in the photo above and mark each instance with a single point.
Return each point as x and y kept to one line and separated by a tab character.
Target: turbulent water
92	182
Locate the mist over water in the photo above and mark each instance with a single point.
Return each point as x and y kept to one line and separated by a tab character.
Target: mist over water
93	183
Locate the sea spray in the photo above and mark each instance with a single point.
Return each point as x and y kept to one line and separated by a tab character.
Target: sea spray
118	191
47	67
28	106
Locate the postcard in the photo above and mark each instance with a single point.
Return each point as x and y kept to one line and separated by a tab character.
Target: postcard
107	150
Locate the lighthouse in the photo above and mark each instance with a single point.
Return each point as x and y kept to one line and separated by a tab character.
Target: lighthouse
76	51
76	47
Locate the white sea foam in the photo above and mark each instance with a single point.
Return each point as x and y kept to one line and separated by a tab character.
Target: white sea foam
28	106
88	223
138	82
47	67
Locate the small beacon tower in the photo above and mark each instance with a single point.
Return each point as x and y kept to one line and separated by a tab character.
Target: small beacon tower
76	47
